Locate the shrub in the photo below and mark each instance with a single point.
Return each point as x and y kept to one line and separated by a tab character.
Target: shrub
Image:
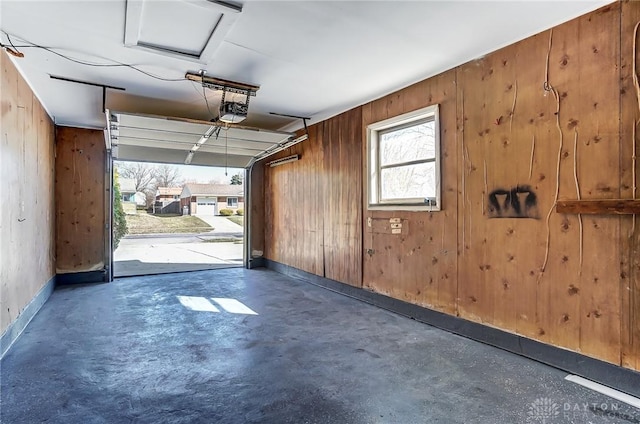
119	222
226	212
240	212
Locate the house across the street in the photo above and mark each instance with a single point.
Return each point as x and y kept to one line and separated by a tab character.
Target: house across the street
209	199
130	197
167	200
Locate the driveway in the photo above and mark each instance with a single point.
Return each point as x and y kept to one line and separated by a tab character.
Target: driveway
168	253
160	253
222	226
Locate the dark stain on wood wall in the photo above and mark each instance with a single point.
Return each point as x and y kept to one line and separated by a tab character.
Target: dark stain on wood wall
80	200
568	280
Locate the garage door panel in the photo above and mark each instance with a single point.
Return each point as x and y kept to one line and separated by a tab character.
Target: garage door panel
170	140
206	206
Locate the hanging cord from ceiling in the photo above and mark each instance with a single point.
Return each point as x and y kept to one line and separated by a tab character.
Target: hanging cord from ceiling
226	150
52	50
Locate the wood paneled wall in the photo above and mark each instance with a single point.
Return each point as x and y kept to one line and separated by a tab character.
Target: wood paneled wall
80	200
419	265
313	206
567	280
26	189
629	232
574	300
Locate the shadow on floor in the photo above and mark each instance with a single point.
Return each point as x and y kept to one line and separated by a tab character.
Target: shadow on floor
134	268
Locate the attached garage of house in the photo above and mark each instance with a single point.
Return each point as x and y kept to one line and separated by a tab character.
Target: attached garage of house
210	199
207	206
441	202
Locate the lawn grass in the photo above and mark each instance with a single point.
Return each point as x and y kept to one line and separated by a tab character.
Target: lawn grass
236	219
143	223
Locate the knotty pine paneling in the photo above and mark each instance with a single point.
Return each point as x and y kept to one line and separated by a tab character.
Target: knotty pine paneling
80	200
418	265
629	235
567	280
574	302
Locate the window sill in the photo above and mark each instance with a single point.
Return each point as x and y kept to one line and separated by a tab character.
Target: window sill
414	208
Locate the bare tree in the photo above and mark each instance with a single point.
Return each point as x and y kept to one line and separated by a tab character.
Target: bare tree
167	176
141	173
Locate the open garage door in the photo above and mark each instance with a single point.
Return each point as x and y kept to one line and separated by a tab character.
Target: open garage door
182	141
178	141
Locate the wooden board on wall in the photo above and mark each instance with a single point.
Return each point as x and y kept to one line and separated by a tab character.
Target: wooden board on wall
342	191
80	204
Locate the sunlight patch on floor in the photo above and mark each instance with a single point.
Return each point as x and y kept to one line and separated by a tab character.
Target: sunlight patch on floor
202	304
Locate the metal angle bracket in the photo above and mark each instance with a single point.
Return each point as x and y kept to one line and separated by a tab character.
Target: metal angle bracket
222	84
304	119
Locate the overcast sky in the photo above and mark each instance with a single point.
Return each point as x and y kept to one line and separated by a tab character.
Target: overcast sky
204	174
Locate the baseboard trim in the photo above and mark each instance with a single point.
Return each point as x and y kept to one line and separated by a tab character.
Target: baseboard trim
256	263
99	276
622	379
23	319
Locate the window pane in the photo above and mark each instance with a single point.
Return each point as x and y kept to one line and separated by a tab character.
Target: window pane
408	144
408	181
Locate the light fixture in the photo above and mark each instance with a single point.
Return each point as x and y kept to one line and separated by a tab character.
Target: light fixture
284	160
189	158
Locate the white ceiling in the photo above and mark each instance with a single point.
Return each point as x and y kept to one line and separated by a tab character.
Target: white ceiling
310	58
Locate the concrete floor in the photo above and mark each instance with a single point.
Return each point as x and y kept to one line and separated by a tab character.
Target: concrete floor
130	352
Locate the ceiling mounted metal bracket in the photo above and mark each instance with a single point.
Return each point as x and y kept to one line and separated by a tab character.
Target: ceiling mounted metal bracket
94	84
222	84
304	119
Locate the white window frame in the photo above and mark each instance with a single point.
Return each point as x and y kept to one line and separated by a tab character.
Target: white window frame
373	160
232	206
